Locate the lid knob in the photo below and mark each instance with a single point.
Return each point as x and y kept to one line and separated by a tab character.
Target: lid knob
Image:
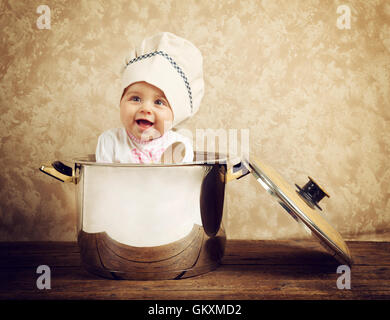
312	193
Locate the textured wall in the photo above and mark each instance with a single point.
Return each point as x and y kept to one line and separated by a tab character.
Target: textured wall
314	97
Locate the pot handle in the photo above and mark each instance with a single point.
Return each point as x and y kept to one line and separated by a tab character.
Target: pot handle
59	171
236	172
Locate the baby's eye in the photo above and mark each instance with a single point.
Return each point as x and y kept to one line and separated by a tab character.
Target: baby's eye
160	102
135	98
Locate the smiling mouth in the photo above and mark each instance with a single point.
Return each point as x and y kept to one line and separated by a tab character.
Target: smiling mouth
144	124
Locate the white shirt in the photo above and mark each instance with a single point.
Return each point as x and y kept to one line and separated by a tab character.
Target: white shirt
115	145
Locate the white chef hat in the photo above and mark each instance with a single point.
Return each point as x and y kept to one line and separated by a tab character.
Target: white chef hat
172	64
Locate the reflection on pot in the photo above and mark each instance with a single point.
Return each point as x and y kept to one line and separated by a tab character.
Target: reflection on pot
195	254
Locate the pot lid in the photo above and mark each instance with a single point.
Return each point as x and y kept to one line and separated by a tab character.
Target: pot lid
301	204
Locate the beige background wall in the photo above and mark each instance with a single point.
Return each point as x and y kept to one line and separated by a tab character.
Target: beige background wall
315	98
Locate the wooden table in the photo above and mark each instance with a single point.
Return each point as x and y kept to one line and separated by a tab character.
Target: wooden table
251	270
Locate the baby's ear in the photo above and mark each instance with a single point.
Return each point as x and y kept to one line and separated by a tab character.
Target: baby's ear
174	154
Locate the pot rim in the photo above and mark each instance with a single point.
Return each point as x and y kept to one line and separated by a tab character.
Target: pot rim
208	158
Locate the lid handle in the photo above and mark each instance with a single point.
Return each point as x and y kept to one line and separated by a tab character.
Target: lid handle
59	171
236	172
312	193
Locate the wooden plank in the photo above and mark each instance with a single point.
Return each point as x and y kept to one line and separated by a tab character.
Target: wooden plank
237	252
266	289
292	252
224	273
251	270
261	279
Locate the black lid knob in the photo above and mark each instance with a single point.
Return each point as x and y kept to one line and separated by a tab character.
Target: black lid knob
312	193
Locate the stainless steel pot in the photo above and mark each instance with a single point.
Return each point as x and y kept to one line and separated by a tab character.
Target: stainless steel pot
165	221
149	221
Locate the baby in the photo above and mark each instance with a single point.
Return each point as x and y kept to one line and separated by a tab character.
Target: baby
162	85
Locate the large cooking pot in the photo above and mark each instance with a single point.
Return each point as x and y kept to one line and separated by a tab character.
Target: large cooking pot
149	221
165	221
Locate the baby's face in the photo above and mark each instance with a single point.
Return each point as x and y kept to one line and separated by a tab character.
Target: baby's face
145	111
